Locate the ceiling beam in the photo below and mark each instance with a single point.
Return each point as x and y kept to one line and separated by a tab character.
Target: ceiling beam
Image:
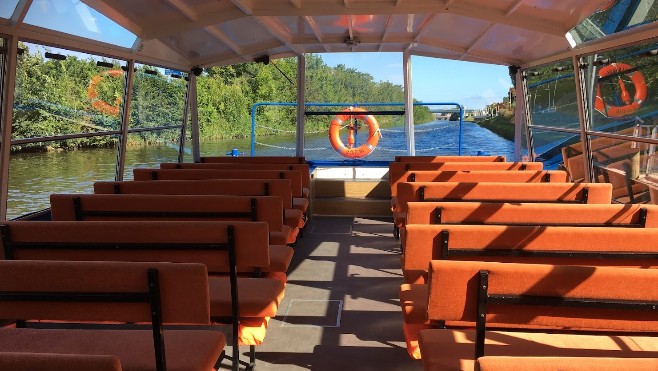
477	40
115	15
491	57
246	6
513	7
496	16
310	22
156	31
214	31
221	36
422	30
279	31
20	11
386	28
466	9
184	9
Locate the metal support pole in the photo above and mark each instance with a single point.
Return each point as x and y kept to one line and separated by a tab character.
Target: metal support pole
301	98
583	118
9	86
519	115
196	152
183	130
125	120
408	105
528	119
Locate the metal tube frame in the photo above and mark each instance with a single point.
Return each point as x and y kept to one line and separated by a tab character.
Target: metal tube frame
10	62
301	105
125	120
186	112
196	151
254	111
409	104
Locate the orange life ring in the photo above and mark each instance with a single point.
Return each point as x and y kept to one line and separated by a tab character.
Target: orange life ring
632	105
98	104
350	151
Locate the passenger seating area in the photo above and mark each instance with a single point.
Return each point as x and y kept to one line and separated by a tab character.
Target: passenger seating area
496	270
231	232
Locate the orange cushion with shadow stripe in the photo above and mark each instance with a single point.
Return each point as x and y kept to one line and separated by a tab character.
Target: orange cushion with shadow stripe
23	361
445	349
185	350
257	297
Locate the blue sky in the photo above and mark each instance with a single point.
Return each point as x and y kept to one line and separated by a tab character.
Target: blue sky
473	85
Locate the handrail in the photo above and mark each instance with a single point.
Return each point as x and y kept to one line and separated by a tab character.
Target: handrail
254	108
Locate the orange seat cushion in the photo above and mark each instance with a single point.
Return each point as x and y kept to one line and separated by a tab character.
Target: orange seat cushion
257	297
186	350
454	349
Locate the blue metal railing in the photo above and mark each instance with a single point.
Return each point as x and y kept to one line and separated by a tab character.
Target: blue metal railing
254	108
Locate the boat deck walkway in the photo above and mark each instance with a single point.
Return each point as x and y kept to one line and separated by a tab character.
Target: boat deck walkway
340	311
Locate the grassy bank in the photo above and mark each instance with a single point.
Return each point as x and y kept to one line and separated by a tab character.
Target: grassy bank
500	125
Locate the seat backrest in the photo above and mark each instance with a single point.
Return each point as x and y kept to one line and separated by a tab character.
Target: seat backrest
302	168
590	193
200	174
256	159
565	245
454	287
205	242
235	187
526	176
630	215
23	361
104	291
450	159
79	207
396	169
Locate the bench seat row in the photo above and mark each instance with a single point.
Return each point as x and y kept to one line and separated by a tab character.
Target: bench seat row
244	270
562	244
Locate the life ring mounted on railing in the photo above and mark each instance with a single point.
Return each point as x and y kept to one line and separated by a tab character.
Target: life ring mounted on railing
350	151
96	102
631	105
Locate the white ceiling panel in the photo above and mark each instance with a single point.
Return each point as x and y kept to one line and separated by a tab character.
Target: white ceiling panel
219	32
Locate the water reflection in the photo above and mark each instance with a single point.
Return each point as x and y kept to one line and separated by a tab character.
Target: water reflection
34	176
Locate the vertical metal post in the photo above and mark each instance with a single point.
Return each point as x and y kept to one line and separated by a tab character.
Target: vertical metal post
408	104
186	112
125	120
528	118
196	152
583	118
301	98
519	115
9	86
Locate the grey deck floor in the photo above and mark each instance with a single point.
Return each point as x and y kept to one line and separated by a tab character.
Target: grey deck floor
340	311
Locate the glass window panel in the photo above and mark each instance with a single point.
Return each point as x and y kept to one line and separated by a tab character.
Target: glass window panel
624	89
150	148
33	176
613	17
548	146
7	8
70	96
276	132
624	164
76	18
552	95
158	98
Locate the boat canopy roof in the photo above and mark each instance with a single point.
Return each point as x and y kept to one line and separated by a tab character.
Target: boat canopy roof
187	33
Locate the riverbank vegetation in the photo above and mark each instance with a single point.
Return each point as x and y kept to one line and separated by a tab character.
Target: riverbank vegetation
501	125
70	95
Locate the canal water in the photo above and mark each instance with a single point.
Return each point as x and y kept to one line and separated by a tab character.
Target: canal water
34	176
